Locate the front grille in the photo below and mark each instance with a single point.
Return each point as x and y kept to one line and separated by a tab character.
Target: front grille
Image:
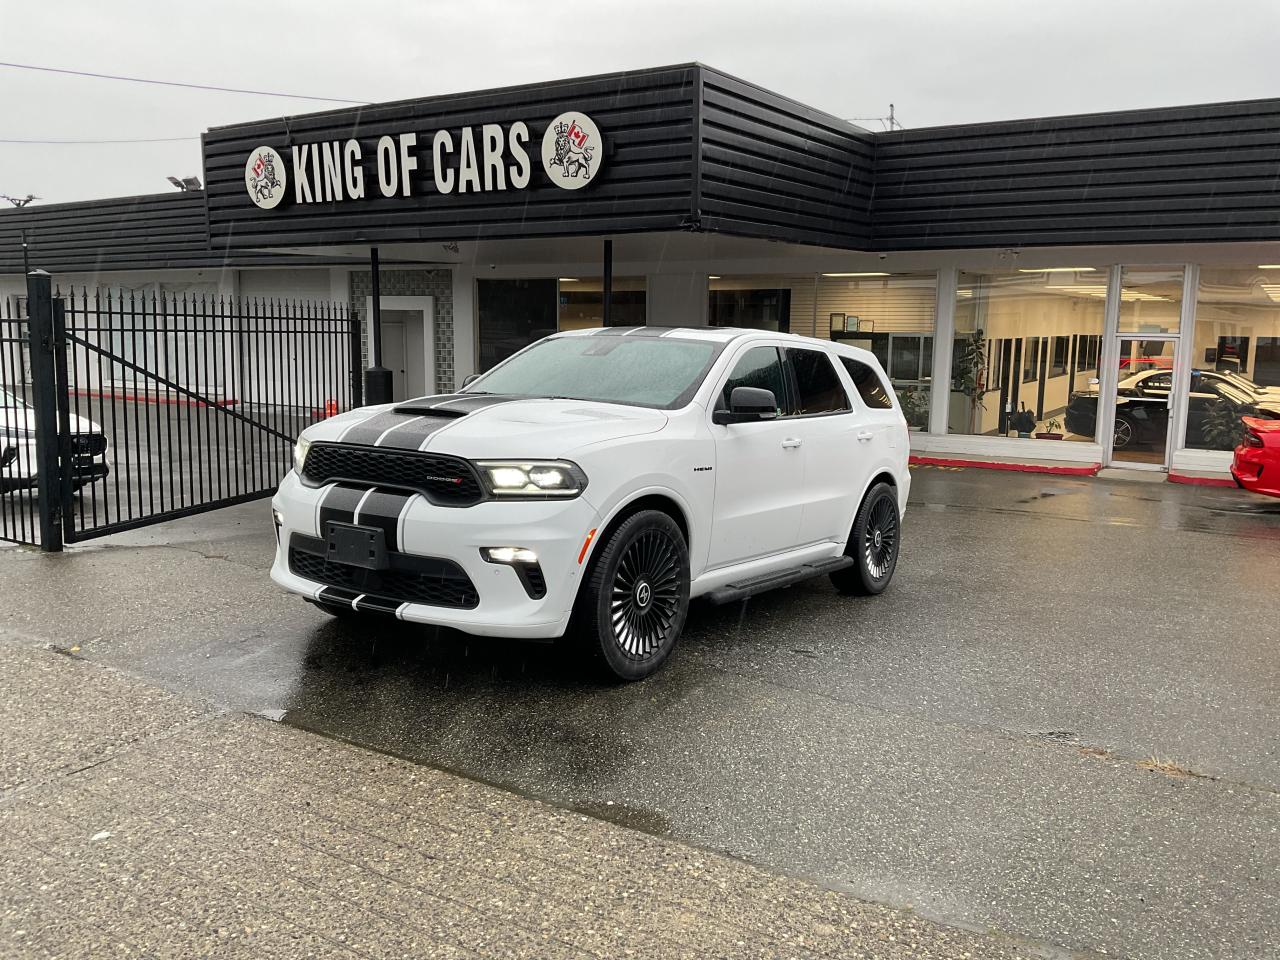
88	444
428	580
445	481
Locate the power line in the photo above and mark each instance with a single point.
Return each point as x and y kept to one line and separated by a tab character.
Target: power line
175	83
67	142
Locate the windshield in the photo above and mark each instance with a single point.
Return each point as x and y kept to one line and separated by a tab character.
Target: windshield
644	371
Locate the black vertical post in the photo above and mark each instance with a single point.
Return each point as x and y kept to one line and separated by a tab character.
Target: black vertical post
45	400
66	510
375	347
377	379
608	282
357	375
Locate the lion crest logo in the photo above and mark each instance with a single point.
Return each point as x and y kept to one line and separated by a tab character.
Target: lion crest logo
571	151
264	177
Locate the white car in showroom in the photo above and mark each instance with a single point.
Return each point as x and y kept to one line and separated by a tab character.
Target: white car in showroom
18	447
595	481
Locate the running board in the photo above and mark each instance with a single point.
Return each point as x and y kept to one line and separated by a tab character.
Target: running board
733	592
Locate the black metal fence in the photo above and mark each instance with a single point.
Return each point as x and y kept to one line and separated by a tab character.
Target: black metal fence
17	432
172	404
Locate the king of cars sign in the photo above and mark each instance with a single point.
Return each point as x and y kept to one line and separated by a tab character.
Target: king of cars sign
476	159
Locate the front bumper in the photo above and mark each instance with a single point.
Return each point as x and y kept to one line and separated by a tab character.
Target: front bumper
554	529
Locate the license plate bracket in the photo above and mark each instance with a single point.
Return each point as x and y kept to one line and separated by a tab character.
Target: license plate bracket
355	545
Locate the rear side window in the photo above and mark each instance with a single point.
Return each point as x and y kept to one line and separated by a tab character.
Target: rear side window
817	383
759	367
870	387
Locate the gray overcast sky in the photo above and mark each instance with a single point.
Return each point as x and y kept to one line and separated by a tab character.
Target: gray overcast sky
940	61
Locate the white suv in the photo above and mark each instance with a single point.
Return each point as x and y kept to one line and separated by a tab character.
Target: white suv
597	480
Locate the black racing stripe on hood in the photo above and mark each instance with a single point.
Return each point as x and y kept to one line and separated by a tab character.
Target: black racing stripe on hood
454	405
413	432
340	504
370	430
382	508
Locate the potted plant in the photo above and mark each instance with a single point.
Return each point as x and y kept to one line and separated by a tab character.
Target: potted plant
1052	430
1023	422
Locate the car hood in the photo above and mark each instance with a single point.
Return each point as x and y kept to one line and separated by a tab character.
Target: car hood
24	419
478	426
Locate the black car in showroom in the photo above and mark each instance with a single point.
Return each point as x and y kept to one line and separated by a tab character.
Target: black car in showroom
1142	410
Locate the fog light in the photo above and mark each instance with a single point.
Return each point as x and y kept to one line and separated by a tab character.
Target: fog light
509	555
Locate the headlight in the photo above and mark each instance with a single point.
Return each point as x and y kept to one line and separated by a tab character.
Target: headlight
532	479
300	453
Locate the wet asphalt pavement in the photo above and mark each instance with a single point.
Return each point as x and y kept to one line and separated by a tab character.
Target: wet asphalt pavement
974	743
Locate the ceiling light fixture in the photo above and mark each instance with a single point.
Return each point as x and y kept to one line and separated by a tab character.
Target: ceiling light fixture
1056	269
1269	266
872	273
568	279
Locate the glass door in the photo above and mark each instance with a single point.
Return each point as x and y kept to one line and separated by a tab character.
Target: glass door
1142	407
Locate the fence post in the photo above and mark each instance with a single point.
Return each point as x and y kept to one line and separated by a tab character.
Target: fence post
45	398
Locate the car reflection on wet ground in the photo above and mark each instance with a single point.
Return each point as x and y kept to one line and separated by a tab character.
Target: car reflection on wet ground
1058	722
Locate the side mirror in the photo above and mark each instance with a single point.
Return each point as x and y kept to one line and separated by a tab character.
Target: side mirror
746	405
471	379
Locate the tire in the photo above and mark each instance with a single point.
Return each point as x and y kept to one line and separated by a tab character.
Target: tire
874	543
1124	433
632	607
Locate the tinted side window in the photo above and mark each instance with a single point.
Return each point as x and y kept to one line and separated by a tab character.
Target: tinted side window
819	387
870	387
759	367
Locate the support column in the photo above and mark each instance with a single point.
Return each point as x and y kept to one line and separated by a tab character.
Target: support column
377	378
464	323
944	335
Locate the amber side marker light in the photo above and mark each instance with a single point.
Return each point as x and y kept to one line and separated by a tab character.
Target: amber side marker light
582	554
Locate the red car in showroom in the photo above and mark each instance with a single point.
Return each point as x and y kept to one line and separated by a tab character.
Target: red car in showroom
1257	462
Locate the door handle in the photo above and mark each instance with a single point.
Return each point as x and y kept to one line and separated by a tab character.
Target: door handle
791	443
865	435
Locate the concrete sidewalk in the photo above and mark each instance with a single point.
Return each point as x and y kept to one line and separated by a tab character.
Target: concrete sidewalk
136	822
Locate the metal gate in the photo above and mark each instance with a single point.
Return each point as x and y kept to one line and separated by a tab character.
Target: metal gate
18	519
166	405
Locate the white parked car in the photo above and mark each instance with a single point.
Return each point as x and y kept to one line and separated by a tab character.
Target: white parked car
18	447
596	481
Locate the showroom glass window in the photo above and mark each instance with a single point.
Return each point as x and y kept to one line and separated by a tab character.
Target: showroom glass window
515	313
893	316
1026	346
580	302
1235	357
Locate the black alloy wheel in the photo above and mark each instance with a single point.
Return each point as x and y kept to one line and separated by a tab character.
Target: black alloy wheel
873	544
633	605
1124	433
